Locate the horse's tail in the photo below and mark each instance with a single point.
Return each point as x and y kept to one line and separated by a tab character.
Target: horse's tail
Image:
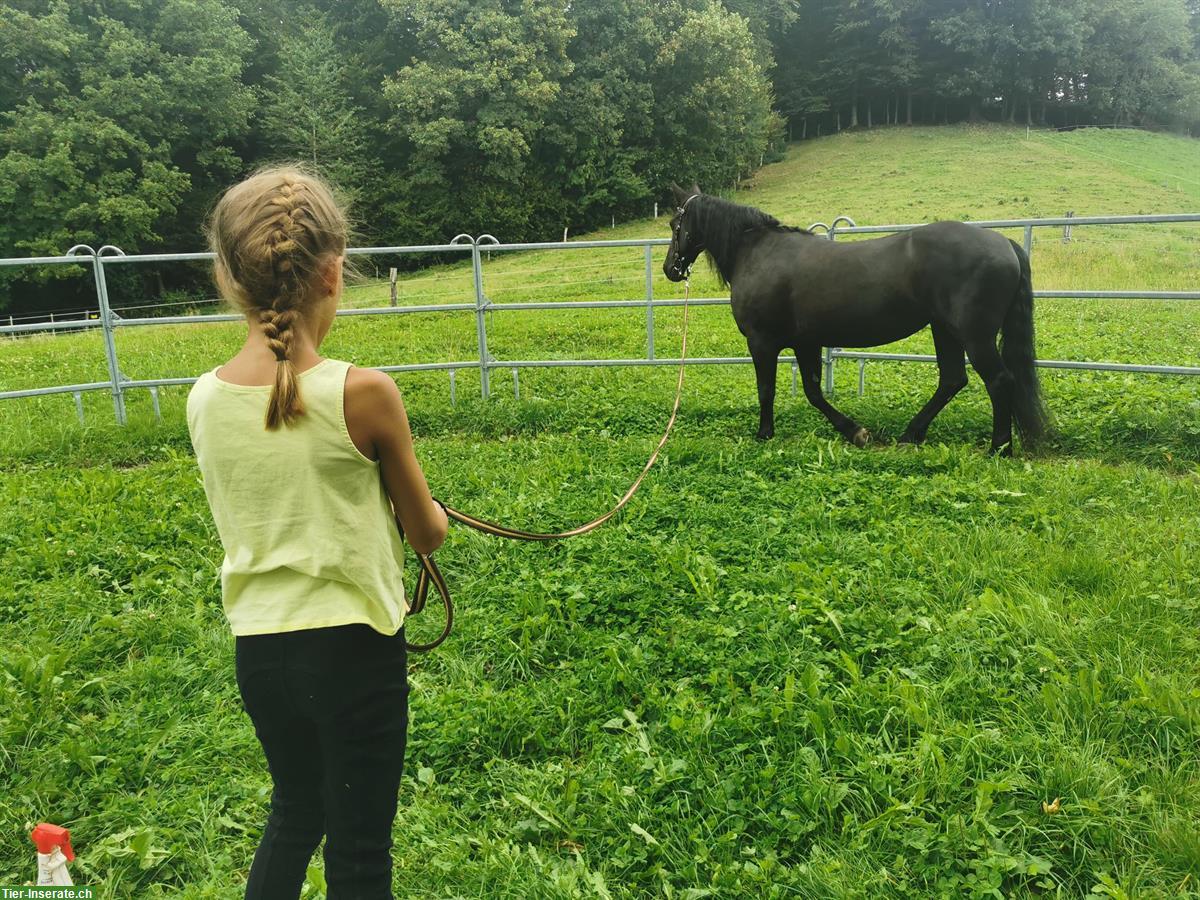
1017	351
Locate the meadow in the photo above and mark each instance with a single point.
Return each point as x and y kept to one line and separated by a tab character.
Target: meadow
789	669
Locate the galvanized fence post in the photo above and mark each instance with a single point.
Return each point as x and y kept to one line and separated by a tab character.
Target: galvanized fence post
1028	240
478	281
649	303
106	327
481	303
110	342
829	357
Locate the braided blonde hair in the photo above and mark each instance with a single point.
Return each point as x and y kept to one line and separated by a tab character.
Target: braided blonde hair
272	235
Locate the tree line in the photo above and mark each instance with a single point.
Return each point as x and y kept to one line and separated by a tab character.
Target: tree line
849	63
120	120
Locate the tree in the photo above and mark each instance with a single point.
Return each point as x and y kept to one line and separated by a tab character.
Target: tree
712	98
901	33
360	43
1138	63
127	116
977	37
1052	38
598	141
305	112
803	86
470	107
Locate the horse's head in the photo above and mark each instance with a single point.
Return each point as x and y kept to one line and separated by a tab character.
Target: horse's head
686	244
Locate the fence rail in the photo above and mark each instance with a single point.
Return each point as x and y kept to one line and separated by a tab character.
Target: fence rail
118	384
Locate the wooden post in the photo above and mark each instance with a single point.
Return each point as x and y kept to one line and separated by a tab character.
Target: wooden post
1066	239
392	281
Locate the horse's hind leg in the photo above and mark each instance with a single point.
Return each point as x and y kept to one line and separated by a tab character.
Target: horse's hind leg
809	361
766	370
986	360
952	378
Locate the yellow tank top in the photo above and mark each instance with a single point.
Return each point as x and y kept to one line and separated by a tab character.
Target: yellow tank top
303	516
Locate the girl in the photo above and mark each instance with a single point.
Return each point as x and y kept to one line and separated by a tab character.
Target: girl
305	462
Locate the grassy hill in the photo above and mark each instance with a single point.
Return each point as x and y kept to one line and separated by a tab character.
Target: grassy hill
876	177
788	669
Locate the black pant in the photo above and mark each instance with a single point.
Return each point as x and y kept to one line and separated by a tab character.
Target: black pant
330	707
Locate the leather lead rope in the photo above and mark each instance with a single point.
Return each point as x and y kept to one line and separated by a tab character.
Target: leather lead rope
432	575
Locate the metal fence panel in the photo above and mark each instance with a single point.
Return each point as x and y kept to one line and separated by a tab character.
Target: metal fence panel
108	321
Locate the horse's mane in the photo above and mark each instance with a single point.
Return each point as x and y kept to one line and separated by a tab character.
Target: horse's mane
724	225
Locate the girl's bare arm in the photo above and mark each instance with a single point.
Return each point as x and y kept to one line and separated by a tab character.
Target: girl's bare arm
378	426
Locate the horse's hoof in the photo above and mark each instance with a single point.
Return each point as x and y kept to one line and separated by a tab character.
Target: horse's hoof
1004	450
764	435
907	438
861	438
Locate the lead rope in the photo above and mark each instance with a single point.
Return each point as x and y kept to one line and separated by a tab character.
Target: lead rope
431	574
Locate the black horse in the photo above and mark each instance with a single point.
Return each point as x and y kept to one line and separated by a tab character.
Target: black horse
790	288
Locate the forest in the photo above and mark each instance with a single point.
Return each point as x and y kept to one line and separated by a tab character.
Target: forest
121	120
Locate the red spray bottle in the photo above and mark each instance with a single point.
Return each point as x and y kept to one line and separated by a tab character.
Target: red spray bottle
54	852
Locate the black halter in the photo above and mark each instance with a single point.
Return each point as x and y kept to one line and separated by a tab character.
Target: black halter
679	270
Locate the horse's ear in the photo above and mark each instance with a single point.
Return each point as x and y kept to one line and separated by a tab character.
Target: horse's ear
680	193
696	189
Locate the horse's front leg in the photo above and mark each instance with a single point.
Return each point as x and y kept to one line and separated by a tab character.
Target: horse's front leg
809	360
766	366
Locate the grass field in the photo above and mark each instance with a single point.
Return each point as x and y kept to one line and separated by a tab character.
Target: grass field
790	669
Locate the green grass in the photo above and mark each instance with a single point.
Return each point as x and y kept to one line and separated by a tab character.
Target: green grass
789	669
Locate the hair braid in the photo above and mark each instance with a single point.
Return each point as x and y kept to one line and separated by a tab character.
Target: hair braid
279	320
271	235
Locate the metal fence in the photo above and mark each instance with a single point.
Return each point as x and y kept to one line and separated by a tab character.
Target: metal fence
110	323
